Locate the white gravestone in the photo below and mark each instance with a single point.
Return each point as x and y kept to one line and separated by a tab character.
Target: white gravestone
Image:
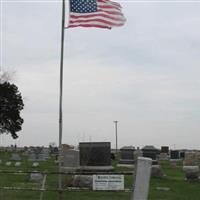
17	164
8	163
35	164
36	177
142	178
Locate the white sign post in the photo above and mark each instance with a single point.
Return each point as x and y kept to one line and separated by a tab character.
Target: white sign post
108	182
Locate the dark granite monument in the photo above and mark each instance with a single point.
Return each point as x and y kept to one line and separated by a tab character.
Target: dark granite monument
150	151
95	155
174	154
182	154
127	155
165	149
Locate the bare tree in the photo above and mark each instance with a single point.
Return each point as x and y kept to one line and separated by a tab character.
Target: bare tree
6	76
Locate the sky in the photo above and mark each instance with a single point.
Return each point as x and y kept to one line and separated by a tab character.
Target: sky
144	74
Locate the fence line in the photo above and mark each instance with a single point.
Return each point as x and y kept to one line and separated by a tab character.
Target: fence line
68	173
43	186
68	189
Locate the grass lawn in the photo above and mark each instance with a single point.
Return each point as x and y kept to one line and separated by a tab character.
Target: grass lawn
180	189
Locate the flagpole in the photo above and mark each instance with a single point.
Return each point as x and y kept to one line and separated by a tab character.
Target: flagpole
61	95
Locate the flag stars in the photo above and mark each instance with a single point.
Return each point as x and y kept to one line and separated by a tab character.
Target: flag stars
83	6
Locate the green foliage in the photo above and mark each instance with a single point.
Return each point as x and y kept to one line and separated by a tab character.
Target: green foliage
11	104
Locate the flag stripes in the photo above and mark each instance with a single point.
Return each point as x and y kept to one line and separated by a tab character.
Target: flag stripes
107	15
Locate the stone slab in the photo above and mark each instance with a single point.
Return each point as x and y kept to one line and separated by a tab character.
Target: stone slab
96	168
36	177
70	169
15	157
126	165
125	161
191	168
142	178
71	159
95	153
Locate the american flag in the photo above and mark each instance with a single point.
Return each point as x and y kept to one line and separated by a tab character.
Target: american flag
95	13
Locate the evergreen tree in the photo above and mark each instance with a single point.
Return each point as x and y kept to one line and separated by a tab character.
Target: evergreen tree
11	104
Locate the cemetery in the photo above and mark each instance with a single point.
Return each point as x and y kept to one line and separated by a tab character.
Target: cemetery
75	83
89	173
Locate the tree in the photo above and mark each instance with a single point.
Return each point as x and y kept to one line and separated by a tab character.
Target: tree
11	104
6	76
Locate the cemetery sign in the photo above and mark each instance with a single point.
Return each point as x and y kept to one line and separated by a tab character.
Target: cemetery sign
108	182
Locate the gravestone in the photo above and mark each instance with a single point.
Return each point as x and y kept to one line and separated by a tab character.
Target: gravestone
190	159
95	156
198	156
150	151
35	164
112	156
174	155
173	165
71	160
37	150
8	163
191	172
163	156
32	157
137	153
156	171
15	157
182	154
17	164
41	157
127	155
165	149
36	176
45	152
142	178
